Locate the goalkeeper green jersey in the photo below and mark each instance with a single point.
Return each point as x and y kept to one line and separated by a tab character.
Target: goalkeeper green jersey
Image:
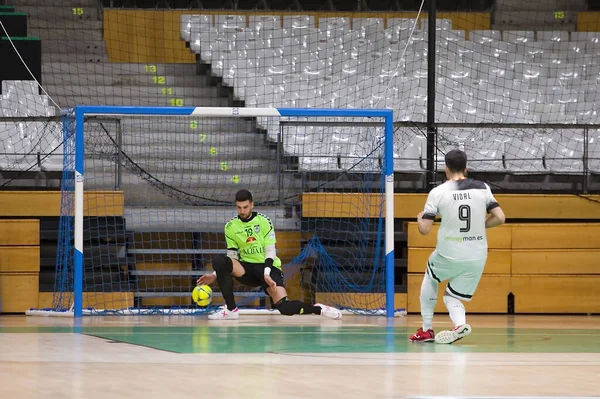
250	238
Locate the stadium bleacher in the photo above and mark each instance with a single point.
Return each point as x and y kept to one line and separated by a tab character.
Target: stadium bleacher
28	146
484	76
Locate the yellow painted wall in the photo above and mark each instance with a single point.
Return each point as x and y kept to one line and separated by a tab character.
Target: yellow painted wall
47	203
19	264
549	268
588	21
515	206
145	36
152	36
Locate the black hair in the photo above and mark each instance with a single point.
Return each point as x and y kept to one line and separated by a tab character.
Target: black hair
456	161
243	195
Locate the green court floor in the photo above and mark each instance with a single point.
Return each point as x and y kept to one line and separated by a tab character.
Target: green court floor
330	339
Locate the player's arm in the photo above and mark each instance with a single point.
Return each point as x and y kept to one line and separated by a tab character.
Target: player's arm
269	243
425	222
232	246
425	219
496	217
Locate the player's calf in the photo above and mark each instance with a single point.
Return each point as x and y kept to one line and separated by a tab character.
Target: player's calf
290	308
223	266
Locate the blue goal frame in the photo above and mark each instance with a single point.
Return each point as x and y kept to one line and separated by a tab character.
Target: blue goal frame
80	112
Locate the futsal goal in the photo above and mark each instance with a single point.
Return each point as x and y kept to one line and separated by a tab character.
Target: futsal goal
146	193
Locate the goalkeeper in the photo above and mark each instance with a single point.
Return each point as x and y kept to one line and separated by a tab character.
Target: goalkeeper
252	260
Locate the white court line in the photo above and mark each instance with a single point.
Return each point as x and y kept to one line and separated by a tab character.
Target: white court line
504	397
325	332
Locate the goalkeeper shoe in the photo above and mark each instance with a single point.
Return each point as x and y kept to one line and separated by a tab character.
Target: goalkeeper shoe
423	336
225	314
447	337
328	311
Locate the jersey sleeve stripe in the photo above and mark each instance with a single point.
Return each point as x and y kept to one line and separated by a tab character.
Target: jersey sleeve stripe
429	216
492	205
270	230
229	238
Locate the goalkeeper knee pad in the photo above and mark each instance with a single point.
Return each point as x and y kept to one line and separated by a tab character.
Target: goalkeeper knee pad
222	264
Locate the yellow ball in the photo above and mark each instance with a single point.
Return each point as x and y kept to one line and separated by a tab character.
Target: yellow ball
202	295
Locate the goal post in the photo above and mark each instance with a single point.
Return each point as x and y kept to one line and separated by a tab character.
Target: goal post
345	260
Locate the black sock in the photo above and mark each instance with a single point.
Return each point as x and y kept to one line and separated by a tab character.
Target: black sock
226	286
289	308
224	266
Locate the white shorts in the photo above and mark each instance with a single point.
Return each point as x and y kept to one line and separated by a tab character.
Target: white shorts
463	276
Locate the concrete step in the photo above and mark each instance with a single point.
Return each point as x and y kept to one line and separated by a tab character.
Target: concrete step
184	139
57	3
77	47
517	5
64	25
534	27
76	58
137	91
78	67
150	197
208	218
71	101
66	34
226	152
54	12
234	126
199	184
96	166
100	79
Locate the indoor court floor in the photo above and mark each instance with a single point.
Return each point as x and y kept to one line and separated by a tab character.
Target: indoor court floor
280	357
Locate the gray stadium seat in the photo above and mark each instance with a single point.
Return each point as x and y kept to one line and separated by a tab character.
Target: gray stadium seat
485	36
552	36
189	24
260	23
525	153
564	153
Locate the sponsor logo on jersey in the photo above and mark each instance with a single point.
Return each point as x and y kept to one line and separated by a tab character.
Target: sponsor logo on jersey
253	250
250	239
463	239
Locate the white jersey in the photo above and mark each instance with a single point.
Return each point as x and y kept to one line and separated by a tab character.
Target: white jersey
463	206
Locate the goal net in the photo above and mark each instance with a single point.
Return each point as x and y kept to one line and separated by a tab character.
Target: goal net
147	192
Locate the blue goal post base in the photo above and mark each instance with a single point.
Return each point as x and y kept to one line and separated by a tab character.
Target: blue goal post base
79	113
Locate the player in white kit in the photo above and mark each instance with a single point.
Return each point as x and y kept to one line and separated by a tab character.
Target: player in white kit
461	251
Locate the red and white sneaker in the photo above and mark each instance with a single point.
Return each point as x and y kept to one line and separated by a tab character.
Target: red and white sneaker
328	311
225	314
423	336
447	337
